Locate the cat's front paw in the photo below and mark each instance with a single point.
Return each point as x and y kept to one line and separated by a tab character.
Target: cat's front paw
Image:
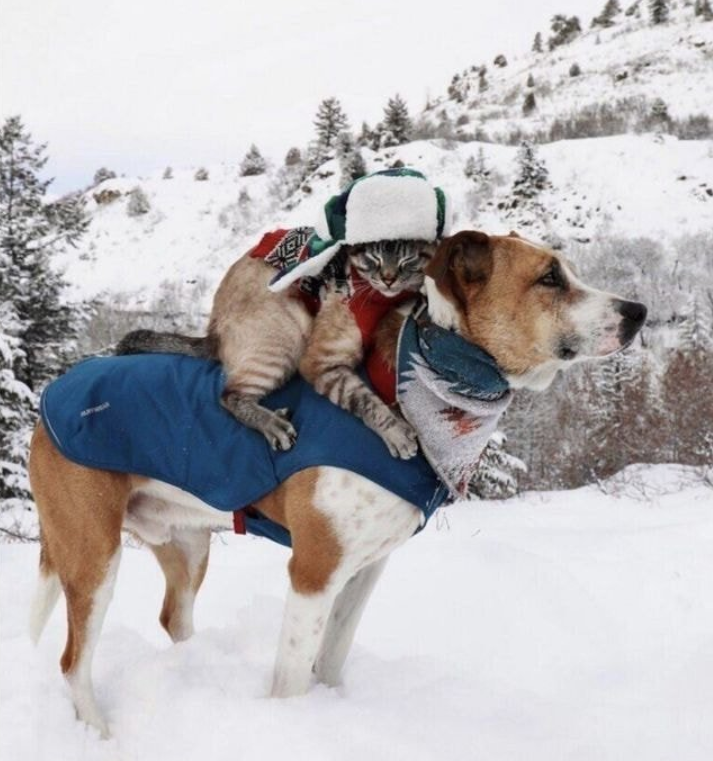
400	438
278	431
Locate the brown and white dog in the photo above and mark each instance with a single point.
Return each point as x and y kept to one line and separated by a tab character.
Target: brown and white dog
520	302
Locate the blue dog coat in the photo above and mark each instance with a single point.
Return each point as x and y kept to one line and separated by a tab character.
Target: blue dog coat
160	416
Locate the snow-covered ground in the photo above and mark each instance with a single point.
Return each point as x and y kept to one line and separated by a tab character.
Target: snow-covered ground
562	625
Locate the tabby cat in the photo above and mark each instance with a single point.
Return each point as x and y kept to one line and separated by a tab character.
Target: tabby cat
262	338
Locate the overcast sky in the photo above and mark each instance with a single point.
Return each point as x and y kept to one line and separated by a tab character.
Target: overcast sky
139	84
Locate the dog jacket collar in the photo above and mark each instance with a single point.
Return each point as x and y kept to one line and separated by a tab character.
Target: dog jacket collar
453	394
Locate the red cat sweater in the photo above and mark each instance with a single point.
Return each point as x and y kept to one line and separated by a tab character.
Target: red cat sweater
282	247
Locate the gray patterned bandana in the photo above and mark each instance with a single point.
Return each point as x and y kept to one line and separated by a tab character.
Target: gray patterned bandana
453	394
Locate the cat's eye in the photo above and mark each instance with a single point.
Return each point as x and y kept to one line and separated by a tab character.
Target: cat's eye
409	264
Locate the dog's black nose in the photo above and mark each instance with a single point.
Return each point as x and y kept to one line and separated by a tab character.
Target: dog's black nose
634	315
632	311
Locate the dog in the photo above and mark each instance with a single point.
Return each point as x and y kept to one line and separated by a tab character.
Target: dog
520	302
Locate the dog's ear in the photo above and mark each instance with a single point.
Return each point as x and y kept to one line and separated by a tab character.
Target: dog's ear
466	257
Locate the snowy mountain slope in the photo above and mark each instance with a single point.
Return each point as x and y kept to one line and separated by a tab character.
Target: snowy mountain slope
558	625
630	185
631	62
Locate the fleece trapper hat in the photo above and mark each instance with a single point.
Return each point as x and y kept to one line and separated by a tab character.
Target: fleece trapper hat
394	204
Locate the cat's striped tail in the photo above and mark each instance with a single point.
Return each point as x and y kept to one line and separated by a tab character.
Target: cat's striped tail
153	342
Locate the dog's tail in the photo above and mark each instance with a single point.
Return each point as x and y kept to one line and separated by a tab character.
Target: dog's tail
153	342
46	595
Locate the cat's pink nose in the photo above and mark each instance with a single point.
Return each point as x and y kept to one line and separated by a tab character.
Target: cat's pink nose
389	280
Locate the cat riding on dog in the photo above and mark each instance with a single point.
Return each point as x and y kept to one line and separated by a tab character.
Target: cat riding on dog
318	313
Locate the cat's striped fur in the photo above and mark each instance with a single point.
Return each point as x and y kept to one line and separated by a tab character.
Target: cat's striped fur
262	338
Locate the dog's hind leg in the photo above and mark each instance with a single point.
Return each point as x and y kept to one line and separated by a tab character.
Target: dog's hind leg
86	608
184	561
47	593
81	512
343	621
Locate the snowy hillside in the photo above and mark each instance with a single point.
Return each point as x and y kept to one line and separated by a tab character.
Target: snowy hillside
625	67
631	185
571	625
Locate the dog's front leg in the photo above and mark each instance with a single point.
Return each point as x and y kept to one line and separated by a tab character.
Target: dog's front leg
301	637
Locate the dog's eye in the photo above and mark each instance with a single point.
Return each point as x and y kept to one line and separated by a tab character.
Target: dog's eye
552	278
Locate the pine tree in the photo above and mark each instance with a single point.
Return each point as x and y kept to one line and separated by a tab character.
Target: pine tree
168	173
30	231
659	119
37	327
475	167
138	203
469	168
621	390
564	30
103	174
693	332
201	174
498	471
384	138
529	104
530	80
253	163
457	88
658	11
500	61
482	79
574	70
634	9
606	18
351	162
293	157
659	109
16	407
702	8
366	136
397	121
329	122
537	43
532	175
